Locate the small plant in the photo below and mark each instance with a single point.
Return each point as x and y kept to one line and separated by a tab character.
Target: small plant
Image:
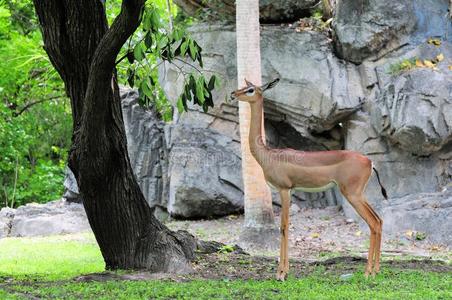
420	236
402	66
226	249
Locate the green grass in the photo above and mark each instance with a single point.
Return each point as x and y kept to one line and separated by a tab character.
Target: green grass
49	258
52	261
388	285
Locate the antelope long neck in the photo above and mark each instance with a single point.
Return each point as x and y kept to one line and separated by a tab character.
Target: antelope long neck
256	140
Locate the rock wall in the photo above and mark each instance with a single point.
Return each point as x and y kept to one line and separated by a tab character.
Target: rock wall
358	88
354	87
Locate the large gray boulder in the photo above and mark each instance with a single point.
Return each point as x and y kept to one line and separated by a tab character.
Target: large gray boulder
365	28
56	217
269	11
414	111
204	173
429	213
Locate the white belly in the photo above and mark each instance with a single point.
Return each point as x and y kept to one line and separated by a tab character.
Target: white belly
309	189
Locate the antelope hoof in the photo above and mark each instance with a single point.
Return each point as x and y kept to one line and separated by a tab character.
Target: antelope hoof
281	275
377	270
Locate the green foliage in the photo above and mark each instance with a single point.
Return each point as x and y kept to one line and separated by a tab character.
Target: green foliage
402	66
154	44
35	124
226	249
420	236
35	115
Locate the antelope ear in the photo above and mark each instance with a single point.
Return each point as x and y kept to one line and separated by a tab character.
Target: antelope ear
248	83
269	85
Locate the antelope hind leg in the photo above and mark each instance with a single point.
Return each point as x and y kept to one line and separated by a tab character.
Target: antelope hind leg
283	267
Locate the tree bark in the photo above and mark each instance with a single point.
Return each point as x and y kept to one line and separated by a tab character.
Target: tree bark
259	230
83	50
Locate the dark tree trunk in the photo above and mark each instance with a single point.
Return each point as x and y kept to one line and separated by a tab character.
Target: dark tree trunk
83	50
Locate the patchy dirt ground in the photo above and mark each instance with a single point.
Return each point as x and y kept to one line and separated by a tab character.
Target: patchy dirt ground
317	234
239	266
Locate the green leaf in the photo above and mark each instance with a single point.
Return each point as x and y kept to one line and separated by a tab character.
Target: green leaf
178	33
199	58
192	83
155	20
167	115
138	52
193	50
187	92
146	87
130	57
212	82
180	105
147	20
131	77
148	40
162	41
183	47
200	90
205	107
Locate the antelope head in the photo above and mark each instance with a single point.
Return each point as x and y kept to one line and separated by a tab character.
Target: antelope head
252	93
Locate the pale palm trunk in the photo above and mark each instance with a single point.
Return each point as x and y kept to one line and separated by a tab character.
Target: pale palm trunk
259	230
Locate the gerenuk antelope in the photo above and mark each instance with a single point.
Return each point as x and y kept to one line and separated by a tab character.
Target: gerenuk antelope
288	169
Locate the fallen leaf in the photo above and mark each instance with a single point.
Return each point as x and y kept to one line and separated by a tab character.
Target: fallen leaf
409	233
429	63
419	63
358	233
435	42
315	235
440	57
450	67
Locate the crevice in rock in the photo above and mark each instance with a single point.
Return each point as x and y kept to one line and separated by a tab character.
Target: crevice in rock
230	184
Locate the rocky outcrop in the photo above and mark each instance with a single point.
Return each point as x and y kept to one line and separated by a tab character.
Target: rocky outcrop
370	29
429	213
56	217
270	11
146	146
414	111
398	116
316	90
204	173
365	28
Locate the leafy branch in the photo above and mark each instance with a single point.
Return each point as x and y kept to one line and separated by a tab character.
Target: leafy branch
154	46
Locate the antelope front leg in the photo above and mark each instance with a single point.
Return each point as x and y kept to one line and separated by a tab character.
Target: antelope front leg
283	267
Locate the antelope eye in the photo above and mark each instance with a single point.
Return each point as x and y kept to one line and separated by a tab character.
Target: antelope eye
250	92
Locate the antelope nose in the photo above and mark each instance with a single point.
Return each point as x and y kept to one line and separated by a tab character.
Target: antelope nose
233	96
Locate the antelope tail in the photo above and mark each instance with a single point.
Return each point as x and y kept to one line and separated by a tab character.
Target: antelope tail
383	190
